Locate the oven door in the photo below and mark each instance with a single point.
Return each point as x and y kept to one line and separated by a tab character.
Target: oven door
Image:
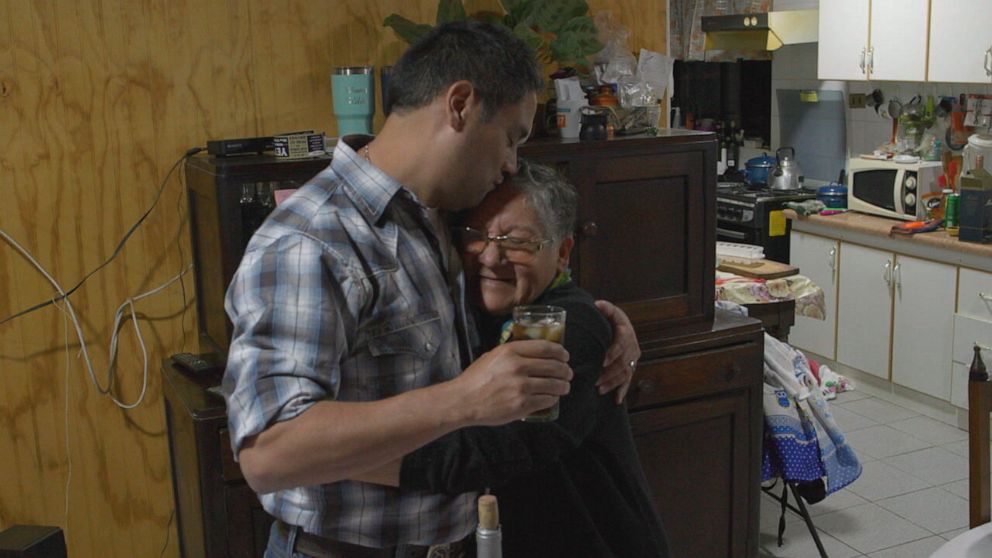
733	232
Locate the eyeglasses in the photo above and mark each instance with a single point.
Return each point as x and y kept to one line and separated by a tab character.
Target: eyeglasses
514	248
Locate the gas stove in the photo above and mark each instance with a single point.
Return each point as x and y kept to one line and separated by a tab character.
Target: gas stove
741	191
745	214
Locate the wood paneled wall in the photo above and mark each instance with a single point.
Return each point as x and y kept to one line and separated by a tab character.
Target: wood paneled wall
98	99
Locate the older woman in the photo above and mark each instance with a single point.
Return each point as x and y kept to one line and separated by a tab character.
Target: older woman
572	487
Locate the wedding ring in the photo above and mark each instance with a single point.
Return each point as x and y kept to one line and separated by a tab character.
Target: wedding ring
633	366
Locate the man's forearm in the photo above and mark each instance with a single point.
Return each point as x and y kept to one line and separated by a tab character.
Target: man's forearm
334	440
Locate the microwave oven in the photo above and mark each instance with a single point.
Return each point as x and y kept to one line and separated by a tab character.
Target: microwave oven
891	189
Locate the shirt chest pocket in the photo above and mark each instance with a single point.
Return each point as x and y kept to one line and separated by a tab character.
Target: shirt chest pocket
401	355
417	336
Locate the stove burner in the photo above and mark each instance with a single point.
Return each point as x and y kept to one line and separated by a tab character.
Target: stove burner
748	192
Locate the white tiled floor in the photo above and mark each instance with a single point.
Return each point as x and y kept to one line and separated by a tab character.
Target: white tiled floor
911	498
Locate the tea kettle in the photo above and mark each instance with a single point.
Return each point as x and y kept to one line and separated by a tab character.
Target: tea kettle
787	173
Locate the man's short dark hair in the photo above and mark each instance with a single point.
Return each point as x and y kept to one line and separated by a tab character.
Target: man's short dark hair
500	66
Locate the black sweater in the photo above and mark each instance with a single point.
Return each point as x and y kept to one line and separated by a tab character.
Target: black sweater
570	488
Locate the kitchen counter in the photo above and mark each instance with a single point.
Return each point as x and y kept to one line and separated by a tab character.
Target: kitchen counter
873	231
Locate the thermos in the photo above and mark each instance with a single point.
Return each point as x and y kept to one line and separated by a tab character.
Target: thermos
353	92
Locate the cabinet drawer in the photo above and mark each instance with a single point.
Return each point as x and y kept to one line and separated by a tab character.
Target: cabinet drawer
967	332
695	374
975	294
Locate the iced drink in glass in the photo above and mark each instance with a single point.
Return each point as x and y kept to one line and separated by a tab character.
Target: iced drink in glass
539	322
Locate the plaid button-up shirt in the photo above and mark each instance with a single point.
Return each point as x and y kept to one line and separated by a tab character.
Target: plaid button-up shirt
342	294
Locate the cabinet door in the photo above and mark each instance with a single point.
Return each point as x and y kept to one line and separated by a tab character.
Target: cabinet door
697	460
923	325
816	257
864	309
960	36
843	38
644	223
898	41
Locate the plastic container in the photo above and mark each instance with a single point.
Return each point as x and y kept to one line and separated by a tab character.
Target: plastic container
834	196
979	146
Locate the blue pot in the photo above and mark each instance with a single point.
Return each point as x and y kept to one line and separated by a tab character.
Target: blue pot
834	196
756	169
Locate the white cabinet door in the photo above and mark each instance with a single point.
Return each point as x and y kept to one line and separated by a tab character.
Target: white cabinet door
843	38
960	37
864	309
898	42
817	258
923	325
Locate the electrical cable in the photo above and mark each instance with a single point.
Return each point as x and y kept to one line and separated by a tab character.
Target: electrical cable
120	245
68	455
119	316
168	532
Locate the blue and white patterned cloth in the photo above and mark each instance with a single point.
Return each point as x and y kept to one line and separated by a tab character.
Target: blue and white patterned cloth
343	293
802	440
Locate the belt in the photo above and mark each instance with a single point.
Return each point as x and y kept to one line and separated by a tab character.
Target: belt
322	547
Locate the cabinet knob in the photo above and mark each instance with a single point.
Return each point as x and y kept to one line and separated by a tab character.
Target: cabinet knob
732	372
589	228
646	386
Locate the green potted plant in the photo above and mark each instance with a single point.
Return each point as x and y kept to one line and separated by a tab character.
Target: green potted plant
560	31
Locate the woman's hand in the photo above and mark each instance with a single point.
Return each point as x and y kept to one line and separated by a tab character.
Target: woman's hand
623	354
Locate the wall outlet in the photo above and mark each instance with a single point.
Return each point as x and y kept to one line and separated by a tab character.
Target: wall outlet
856	100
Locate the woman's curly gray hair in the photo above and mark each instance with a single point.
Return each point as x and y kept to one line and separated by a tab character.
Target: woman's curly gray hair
553	198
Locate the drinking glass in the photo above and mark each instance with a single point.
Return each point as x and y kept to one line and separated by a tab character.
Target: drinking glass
539	322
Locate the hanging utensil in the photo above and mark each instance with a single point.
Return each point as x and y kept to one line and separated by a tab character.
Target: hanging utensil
876	98
894	108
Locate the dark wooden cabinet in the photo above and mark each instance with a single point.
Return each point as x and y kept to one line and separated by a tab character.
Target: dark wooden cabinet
695	412
645	240
647	231
217	513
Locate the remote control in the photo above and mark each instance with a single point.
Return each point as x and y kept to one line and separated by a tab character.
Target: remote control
194	363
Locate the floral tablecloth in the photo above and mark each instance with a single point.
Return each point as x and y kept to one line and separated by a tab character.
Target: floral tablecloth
748	290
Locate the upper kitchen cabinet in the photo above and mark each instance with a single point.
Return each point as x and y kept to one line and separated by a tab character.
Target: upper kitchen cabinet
876	39
960	41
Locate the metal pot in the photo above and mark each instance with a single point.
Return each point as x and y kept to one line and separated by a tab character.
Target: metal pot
756	169
787	172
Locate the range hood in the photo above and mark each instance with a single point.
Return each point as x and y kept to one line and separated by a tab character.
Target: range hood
767	31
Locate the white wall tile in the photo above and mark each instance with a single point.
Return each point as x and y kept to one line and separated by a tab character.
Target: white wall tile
794	67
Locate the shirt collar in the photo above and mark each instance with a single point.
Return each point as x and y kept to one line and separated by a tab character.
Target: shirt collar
370	188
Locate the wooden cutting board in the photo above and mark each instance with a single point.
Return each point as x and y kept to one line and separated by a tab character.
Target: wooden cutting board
762	269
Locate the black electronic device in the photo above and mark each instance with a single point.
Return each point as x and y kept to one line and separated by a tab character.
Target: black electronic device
32	541
240	146
197	364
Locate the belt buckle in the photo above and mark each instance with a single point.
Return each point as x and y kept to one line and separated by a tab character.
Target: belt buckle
440	551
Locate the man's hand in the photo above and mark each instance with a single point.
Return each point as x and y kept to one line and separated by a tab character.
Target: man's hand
513	381
623	354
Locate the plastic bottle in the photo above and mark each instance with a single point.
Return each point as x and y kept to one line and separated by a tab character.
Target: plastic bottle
676	117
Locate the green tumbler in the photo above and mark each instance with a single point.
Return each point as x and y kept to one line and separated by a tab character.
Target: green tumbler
353	92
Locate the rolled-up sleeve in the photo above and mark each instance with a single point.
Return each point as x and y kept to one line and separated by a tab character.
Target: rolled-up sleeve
290	303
